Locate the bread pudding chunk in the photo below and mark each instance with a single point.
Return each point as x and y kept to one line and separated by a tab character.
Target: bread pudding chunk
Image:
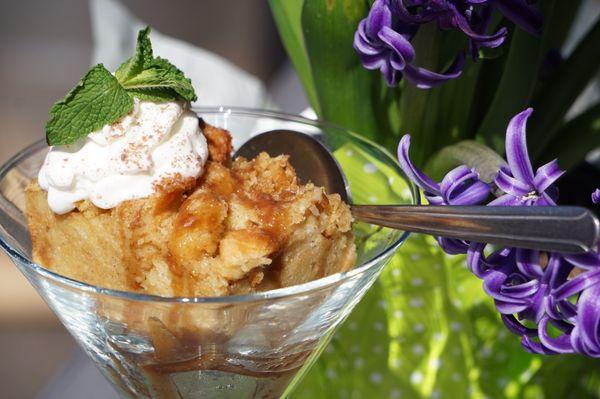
243	226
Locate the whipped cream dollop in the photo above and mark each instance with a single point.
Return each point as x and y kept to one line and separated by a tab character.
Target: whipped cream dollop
129	159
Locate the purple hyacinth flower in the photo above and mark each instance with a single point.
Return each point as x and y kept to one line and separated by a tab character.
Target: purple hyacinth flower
461	186
596	196
551	300
517	180
523	14
527	286
382	39
472	17
382	46
462	15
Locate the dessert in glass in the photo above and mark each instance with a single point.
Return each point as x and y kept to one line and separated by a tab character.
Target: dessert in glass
180	271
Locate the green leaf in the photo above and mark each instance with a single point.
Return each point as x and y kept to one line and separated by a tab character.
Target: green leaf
288	18
153	78
571	151
437	117
160	75
97	100
347	93
560	22
154	95
471	153
517	83
143	56
556	98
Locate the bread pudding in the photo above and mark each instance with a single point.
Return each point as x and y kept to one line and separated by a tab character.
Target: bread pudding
242	226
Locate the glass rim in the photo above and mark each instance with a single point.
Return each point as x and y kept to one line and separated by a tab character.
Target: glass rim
307	287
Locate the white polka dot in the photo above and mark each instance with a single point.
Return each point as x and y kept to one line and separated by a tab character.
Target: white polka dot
416	377
395	394
353	326
382	304
435	394
457	303
398	314
416	302
455	377
415	256
438	336
396	272
370	168
486	352
378	326
373	199
437	266
396	362
456	351
354	349
418	349
455	326
391	180
376	378
418	328
527	374
331	373
349	153
461	288
358	362
417	281
377	349
329	349
406	193
502	382
436	363
502	334
501	356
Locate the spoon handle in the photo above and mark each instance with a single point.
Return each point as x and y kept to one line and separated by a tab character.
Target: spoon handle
552	228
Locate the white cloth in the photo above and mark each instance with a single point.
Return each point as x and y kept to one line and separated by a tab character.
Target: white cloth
217	81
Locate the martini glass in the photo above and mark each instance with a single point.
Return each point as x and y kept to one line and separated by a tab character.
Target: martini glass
250	346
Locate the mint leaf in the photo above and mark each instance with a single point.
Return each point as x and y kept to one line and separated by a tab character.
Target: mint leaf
101	98
154	95
153	79
163	76
97	100
143	56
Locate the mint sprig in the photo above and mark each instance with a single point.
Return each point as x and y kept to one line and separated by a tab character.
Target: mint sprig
143	55
97	99
101	98
153	78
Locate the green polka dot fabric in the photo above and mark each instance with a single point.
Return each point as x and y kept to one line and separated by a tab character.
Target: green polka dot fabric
426	329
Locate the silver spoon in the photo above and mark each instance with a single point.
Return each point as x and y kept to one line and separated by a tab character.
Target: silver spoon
552	228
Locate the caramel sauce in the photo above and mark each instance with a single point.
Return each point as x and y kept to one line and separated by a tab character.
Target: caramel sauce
224	233
203	350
